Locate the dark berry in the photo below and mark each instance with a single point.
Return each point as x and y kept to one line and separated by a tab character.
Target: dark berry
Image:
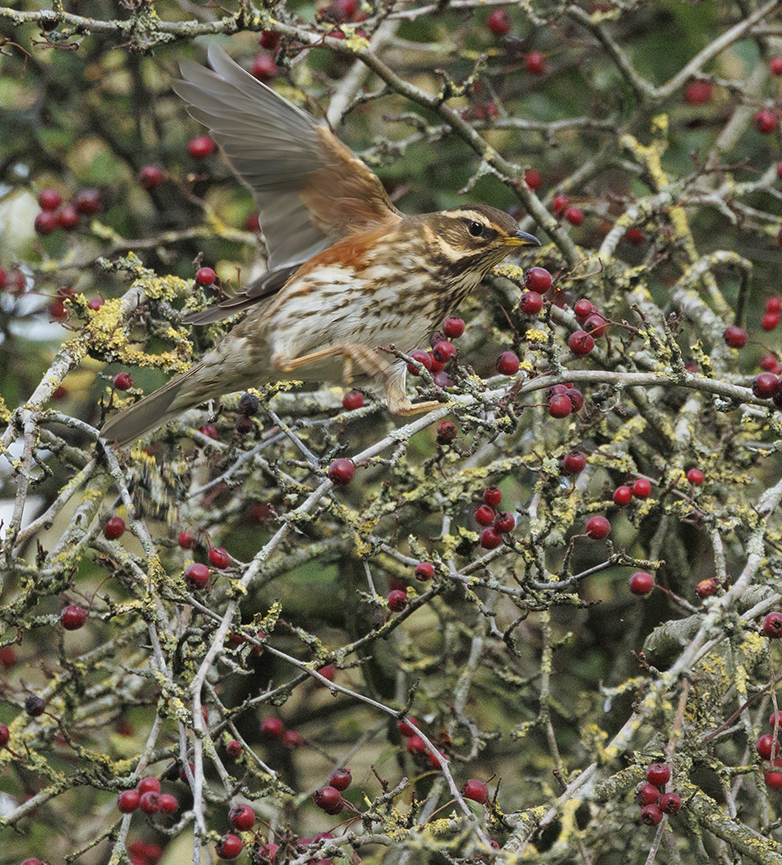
476	790
241	817
5	735
87	201
765	121
340	779
775	720
574	462
658	774
264	68
234	749
706	588
574	215
396	600
560	406
772	625
735	337
647	794
597	528
530	303
34	706
269	40
490	538
773	780
765	746
764	386
538	279
671	803
635	236
576	398
443	351
424	571
651	815
149	784
423	357
405	728
484	516
67	217
229	846
73	617
45	223
596	325
114	529
770	321
123	381
507	363
492	496
446	432
341	472
196	576
292	739
328	799
453	328
698	93
583	309
504	522
641	583
580	342
168	804
560	204
533	179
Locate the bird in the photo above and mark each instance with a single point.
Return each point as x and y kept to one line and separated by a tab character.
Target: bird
347	275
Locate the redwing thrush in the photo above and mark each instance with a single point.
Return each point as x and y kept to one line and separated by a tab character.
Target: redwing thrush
347	272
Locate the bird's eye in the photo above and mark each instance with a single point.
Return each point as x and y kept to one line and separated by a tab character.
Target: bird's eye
475	229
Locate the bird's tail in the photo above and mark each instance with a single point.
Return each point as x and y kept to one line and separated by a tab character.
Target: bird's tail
179	395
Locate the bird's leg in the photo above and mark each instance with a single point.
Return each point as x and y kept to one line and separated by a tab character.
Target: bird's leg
396	398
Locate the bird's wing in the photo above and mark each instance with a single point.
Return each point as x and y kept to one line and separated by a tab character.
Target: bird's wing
310	189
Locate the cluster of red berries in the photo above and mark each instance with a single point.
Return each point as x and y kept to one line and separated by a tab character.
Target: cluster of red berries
651	795
54	214
415	744
497	523
564	400
562	208
329	797
443	350
769	749
274	729
147	798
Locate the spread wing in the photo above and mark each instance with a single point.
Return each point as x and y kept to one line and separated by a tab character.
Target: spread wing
310	189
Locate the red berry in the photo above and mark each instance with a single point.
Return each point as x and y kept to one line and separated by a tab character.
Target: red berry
34	706
229	846
328	672
45	223
622	496
196	576
533	179
596	325
187	540
67	217
424	571
264	68
7	657
765	121
453	328
149	802
499	22
651	815
574	462
504	522
127	801
340	779
772	625
73	617
647	794
484	516
530	303
114	529
423	357
416	745
292	739
576	398
706	588
168	803
149	784
776	65
151	176
446	432
635	236
96	303
269	40
597	528
770	363
642	488
49	199
583	309
641	583
774	304
200	147
396	600
123	381
658	774
507	363
580	342
765	385
234	749
574	215
87	201
353	400
205	276
341	472
536	63
490	538
476	790
538	279
765	746
443	351
560	204
775	720
218	557
698	93
770	321
773	780
492	496
560	406
273	728
695	477
328	799
405	728
241	817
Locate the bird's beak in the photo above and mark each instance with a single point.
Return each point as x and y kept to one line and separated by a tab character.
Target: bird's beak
521	238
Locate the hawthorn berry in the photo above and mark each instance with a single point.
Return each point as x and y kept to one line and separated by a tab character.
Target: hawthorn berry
765	385
484	516
698	93
73	617
476	790
535	63
241	817
353	400
96	303
229	846
328	672
560	406
641	583
446	432
328	799
670	803
292	739
597	528
490	538
504	522
772	626
127	801
635	236
234	749
560	204
87	201
424	571
423	357
766	747
340	778
32	861
5	735
67	217
45	223
775	720
492	496
148	784
765	121
507	363
658	774
34	706
49	199
582	309
218	557
641	488
187	540
574	462
453	328
416	745
196	576
407	726
205	276
151	176
269	40
647	794
200	147
574	215
651	815
443	351
706	588
499	22
123	381
580	342
533	179
530	303
264	68
735	337
773	780
341	472
695	477
538	279
576	398
149	802
396	600
623	496
596	325
168	804
272	728
770	321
